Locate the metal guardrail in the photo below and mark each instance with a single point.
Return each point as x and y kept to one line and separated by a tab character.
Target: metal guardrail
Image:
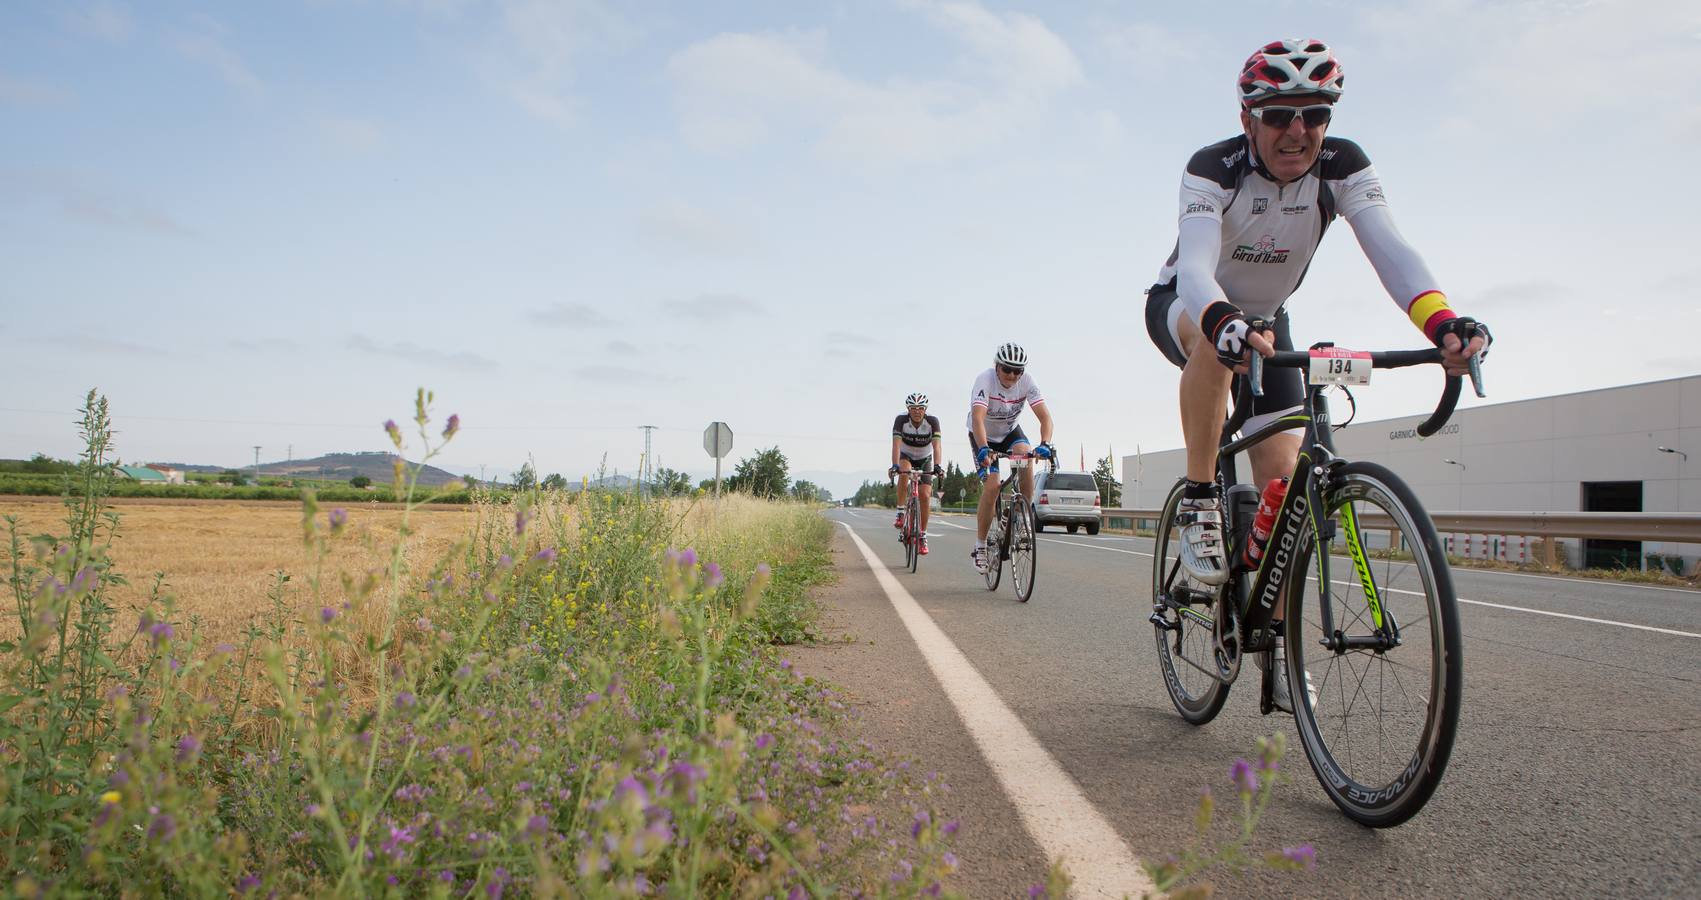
1677	528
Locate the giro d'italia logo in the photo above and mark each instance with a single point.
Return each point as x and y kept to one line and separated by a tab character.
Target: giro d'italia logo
1264	251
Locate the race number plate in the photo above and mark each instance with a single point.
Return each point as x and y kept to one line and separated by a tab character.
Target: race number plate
1333	365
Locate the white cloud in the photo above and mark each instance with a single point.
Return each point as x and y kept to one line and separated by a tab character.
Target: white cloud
81	201
713	306
677	225
350	134
204	44
538	44
734	89
19	92
407	350
108	22
577	315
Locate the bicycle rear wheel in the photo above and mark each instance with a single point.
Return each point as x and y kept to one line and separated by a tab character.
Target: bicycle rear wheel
995	553
1187	611
1379	710
912	532
1024	547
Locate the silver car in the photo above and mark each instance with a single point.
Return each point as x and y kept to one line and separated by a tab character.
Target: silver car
1066	498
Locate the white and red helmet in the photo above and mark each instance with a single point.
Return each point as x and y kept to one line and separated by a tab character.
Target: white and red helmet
1280	68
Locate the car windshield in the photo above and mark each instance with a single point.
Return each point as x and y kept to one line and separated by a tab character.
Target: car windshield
1071	482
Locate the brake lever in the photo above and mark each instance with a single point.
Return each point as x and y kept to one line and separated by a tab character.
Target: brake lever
1255	373
1476	374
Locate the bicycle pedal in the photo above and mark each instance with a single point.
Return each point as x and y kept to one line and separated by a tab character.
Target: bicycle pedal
1158	619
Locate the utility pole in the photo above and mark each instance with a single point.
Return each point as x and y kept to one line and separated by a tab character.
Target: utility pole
646	469
256	463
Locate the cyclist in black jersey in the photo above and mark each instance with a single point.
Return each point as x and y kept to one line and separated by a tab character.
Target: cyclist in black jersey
1253	210
916	447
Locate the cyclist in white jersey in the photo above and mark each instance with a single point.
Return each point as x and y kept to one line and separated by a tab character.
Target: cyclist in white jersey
917	444
1253	210
997	399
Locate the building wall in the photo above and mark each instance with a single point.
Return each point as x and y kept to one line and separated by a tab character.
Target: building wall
1528	455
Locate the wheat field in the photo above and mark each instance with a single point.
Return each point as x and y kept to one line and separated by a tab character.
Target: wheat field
220	558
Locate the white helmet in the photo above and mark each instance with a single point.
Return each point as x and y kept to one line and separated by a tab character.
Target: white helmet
916	399
1012	356
1280	68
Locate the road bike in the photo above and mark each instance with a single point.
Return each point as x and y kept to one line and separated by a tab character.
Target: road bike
912	534
1012	535
1374	662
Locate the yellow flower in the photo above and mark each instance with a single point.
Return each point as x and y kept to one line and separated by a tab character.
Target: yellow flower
111	797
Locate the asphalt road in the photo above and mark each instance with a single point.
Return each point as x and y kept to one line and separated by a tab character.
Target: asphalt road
1577	770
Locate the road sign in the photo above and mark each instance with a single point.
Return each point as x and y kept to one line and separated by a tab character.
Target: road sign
717	439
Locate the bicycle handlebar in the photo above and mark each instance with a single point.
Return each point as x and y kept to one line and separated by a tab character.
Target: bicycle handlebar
1386	359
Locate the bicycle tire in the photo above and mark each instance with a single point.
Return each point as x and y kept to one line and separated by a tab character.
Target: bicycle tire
1024	548
994	553
1384	779
912	530
1197	696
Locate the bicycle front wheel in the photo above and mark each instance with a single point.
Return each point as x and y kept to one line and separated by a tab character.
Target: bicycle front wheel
1376	690
994	555
1024	546
1187	612
912	531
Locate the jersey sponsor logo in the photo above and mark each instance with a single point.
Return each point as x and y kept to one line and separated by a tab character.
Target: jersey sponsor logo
1200	207
1374	193
1296	209
1328	154
1259	205
1230	160
1264	251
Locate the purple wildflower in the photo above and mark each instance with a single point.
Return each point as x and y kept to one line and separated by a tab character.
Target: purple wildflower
921	821
394	431
764	741
951	827
161	632
1244	776
522	518
162	827
247	883
712	576
687	558
763	569
1036	892
405	699
1303	855
326	614
950	860
224	648
536	825
188	748
545	556
339	518
452	426
399	838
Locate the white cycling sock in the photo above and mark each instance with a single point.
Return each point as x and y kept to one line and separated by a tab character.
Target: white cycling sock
980	544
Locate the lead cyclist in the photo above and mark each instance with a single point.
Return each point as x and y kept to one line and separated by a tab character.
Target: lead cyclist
1253	211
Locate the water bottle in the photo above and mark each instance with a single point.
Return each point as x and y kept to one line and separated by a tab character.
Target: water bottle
1274	493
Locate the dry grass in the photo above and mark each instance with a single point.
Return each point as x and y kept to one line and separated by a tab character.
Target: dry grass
220	557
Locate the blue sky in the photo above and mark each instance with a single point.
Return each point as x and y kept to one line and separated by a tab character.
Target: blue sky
267	223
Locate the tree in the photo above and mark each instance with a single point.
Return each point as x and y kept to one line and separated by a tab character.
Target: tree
875	493
470	481
957	486
554	482
764	475
809	491
232	478
526	478
667	482
1110	490
360	482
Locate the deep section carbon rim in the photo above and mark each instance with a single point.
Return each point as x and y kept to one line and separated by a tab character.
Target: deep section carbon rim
1378	722
1024	548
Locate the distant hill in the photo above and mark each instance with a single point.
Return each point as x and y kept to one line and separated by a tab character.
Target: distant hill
340	466
376	465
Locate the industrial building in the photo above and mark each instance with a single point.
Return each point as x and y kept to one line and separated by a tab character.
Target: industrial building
1620	449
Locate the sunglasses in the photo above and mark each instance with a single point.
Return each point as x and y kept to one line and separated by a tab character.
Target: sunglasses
1280	117
1009	371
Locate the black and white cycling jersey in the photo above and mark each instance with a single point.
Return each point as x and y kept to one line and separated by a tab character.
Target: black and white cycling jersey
917	439
1246	239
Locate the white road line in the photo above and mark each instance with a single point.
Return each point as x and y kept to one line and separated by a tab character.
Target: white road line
1522	609
1056	813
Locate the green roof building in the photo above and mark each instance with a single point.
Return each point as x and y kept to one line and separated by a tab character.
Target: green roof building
142	473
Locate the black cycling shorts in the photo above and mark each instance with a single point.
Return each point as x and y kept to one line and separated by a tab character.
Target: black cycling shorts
1284	389
924	466
1003	445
